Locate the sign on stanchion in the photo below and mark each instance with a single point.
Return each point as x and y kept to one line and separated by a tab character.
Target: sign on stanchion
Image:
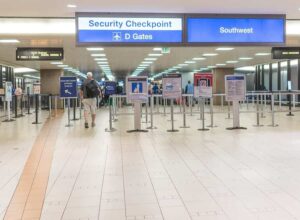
8	100
68	90
137	93
235	90
172	90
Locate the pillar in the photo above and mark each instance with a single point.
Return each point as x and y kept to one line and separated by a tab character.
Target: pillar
219	82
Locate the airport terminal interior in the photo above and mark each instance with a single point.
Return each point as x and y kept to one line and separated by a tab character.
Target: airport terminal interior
149	110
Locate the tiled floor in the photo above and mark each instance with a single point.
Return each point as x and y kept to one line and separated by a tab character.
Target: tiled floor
214	175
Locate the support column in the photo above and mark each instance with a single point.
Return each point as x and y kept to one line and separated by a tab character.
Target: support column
219	82
50	83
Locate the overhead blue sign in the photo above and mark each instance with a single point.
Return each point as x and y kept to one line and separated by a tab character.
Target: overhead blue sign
120	29
110	88
235	30
68	87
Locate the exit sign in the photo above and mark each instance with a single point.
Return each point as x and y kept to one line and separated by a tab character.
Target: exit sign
165	50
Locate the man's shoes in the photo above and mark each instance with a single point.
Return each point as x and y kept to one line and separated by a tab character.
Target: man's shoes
93	124
86	125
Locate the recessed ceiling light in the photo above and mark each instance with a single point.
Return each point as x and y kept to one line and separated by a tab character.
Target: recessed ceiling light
210	67
232	61
155	54
98	55
62	65
9	41
245	58
153	59
157	48
145	62
183	64
56	63
71	6
199	58
190	62
210	54
100	59
95	49
102	62
220	64
225	48
262	54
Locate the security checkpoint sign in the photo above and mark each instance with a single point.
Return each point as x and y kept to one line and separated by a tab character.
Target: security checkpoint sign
235	88
68	87
110	87
137	89
8	91
203	85
172	86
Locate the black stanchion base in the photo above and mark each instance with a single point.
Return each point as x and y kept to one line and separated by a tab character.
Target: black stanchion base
237	128
114	120
152	128
273	125
110	130
203	129
137	130
11	120
68	126
75	119
184	127
172	130
36	123
290	114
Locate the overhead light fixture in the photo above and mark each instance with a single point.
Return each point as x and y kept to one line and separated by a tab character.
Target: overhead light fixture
57	63
98	55
23	70
157	49
210	54
262	54
62	65
147	62
232	61
245	58
153	59
220	64
100	59
102	62
9	41
211	67
190	62
71	6
183	64
95	49
224	48
199	58
155	54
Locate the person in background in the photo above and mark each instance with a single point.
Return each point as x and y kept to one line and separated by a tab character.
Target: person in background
89	92
189	89
155	89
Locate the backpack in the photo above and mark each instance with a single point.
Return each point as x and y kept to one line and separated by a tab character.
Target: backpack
92	89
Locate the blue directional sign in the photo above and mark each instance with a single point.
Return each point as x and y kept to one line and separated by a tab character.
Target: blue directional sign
110	87
129	29
235	30
68	87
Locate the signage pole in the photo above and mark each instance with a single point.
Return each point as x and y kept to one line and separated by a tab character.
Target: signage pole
262	105
290	105
137	118
212	113
202	115
69	124
172	117
228	109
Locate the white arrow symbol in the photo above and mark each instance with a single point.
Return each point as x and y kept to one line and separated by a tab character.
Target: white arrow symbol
67	92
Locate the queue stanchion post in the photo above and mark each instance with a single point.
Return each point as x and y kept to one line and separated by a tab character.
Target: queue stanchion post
273	111
74	101
211	111
262	106
228	110
280	98
164	106
202	115
50	106
28	104
55	101
184	114
110	129
294	101
80	109
151	113
222	102
115	108
257	112
172	118
36	109
290	105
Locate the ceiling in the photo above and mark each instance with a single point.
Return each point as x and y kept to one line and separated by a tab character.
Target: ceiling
124	60
57	8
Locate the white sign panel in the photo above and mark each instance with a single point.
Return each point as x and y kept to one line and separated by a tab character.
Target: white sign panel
172	86
235	87
137	89
36	88
8	91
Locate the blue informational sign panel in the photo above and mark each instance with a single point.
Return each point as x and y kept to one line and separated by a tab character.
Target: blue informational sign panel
242	30
131	28
68	87
110	87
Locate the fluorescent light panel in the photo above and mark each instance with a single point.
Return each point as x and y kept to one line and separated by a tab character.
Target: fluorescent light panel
95	49
262	54
155	54
210	54
9	41
245	58
199	58
225	48
98	55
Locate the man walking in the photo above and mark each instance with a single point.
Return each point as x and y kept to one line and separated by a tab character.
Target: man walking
89	92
